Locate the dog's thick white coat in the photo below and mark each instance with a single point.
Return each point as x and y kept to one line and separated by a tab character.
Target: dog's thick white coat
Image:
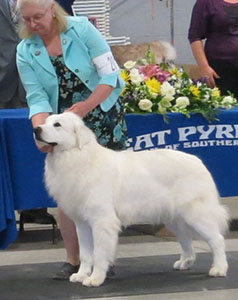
102	190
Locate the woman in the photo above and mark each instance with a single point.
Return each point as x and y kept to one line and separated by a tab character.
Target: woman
65	64
217	22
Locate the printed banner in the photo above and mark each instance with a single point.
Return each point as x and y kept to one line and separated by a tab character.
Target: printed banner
215	143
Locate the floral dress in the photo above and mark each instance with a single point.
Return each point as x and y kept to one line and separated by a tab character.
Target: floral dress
109	127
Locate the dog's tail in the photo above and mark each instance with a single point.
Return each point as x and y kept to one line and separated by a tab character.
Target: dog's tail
209	212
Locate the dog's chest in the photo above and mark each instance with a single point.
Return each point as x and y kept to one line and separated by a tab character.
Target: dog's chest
61	176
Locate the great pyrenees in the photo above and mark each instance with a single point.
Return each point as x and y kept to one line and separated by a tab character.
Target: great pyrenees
103	190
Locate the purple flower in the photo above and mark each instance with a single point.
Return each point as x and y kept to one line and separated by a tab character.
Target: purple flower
201	80
162	77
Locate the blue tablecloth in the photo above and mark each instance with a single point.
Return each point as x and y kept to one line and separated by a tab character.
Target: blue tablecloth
215	143
21	176
21	173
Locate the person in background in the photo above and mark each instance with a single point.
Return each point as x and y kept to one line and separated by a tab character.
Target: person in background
67	5
216	22
12	94
65	64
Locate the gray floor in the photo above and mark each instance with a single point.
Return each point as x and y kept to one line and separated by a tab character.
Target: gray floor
144	270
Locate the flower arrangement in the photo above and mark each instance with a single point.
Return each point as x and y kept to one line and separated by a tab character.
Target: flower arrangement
152	88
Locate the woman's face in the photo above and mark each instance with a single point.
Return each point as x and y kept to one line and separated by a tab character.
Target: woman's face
38	19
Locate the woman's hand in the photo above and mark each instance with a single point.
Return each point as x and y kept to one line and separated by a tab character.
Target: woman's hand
101	93
81	108
210	75
205	70
37	120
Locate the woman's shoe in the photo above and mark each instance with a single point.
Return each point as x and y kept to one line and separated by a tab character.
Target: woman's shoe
233	225
66	271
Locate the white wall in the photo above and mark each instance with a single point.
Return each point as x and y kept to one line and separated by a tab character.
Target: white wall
134	18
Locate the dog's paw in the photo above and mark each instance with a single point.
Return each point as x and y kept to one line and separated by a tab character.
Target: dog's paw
218	271
83	273
183	264
94	281
77	277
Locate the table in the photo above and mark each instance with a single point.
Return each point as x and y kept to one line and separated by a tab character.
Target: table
21	164
216	143
21	172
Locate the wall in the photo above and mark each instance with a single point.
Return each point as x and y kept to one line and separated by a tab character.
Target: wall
135	18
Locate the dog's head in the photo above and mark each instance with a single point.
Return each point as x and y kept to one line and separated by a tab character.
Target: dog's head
63	131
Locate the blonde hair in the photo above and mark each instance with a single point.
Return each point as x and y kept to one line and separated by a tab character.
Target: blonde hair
59	16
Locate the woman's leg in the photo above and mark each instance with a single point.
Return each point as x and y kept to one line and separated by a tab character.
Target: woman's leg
69	235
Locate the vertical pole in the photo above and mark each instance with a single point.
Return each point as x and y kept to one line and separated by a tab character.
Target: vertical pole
172	22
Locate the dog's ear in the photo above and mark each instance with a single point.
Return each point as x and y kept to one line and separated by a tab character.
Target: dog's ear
83	134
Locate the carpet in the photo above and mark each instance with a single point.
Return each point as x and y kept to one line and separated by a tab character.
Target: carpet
134	276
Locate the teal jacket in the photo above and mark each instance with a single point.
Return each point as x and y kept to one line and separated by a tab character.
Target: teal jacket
86	54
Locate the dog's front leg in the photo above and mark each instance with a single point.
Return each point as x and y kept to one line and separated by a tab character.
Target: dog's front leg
105	238
84	233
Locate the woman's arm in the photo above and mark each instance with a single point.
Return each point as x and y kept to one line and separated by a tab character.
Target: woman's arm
205	69
199	31
105	66
37	97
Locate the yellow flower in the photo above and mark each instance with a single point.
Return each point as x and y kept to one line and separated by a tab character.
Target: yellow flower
123	92
153	84
216	93
175	72
194	90
125	76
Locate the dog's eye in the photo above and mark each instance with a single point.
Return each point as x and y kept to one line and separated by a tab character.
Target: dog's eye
57	124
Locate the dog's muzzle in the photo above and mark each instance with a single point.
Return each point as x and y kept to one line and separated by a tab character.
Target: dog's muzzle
37	133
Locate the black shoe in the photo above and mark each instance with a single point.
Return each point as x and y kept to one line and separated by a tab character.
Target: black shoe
233	226
111	272
66	271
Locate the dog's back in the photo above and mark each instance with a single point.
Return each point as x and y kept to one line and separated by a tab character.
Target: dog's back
162	50
165	183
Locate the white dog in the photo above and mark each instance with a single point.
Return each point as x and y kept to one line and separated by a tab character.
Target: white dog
102	190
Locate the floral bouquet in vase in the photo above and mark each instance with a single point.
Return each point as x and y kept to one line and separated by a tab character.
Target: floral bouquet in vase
164	88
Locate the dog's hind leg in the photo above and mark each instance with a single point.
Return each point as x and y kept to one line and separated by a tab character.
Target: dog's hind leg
105	238
184	236
84	233
209	231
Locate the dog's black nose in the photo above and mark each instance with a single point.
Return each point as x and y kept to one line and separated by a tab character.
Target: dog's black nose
37	132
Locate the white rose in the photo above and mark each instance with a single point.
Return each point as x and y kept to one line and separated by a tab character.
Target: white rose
129	64
167	89
206	97
177	85
153	95
182	102
168	97
173	77
136	77
145	104
227	100
199	84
